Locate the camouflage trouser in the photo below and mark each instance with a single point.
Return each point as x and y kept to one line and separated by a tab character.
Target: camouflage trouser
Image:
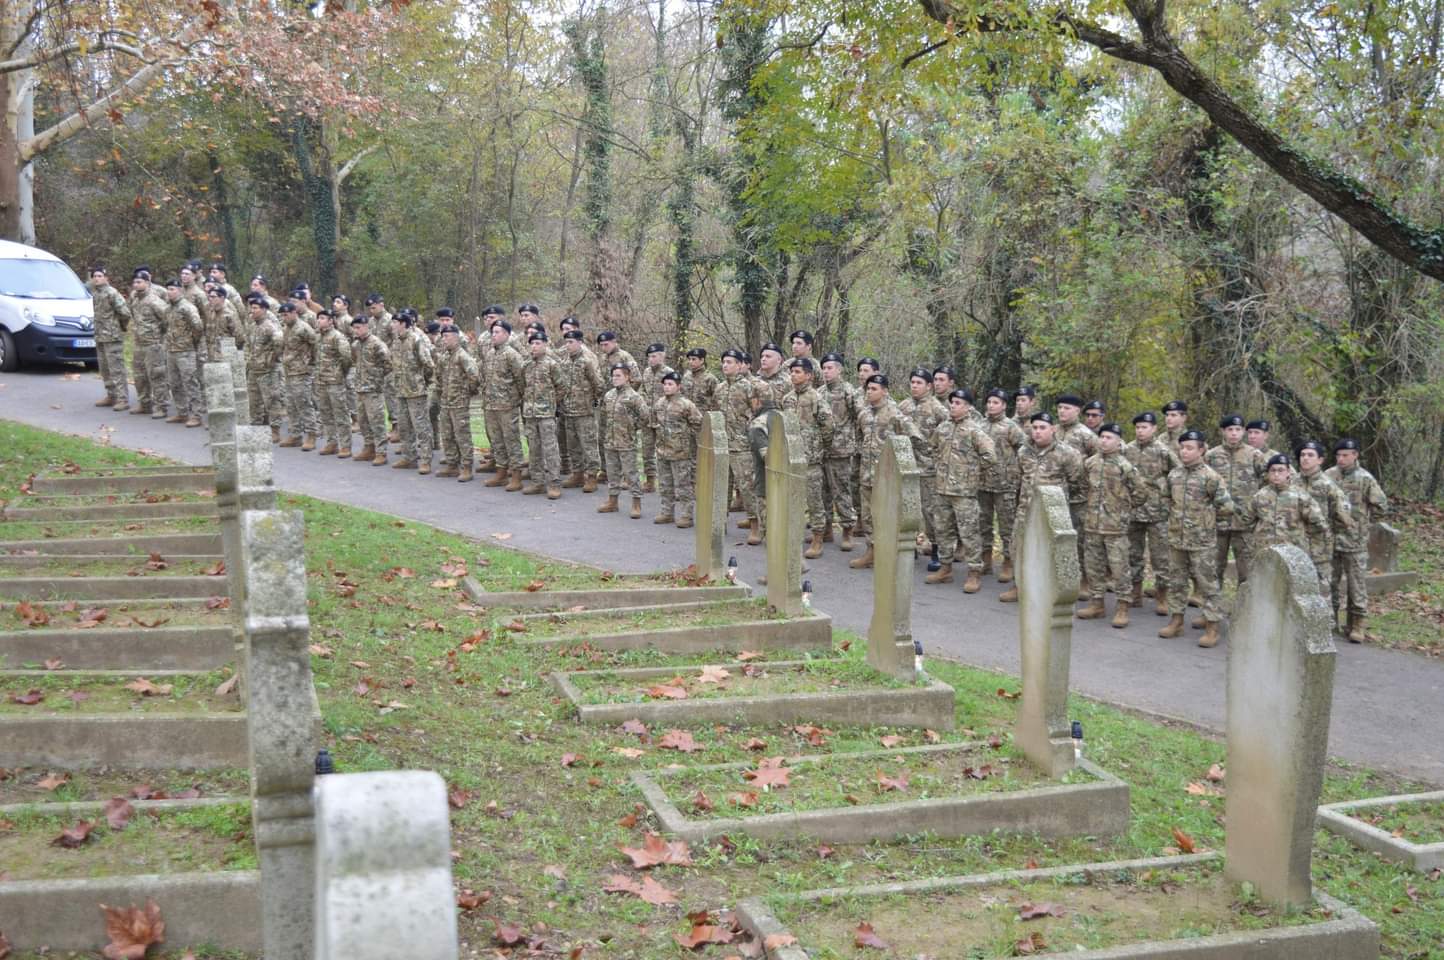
1107	564
1351	568
676	482
180	368
622	472
151	389
197	383
433	413
335	417
580	434
859	502
1324	567
1075	515
300	404
864	513
393	409
955	521
110	354
371	411
740	463
415	428
1000	507
817	515
1152	538
263	388
351	393
505	439
455	435
838	490
1237	540
648	438
928	491
546	456
1196	567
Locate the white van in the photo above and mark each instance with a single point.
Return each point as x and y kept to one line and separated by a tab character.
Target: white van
46	314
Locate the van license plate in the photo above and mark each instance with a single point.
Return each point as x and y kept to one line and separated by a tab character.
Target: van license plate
82	343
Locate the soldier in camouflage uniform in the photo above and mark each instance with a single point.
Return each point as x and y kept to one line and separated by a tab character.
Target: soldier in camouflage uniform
263	363
1072	430
679	422
411	366
846	402
341	314
1093	413
544	384
233	297
147	330
1242	469
1256	435
1334	505
1045	461
183	333
1175	422
1281	512
298	363
814	415
962	450
112	317
1148	528
1351	549
945	381
433	396
1198	499
698	383
651	391
260	285
1025	404
734	399
866	367
879	420
501	389
625	413
772	374
585	389
333	362
370	364
457	378
1113	487
998	487
926	412
375	310
221	320
611	355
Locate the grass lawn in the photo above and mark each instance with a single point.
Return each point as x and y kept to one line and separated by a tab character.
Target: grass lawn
410	674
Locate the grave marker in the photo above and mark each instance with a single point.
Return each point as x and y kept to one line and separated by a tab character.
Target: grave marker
1046	561
786	511
236	360
711	496
897	516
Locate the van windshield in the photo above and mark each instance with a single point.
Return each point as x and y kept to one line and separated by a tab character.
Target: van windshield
40	280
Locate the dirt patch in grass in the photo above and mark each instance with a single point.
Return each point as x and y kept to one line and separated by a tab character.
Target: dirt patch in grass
744	680
77	695
121	615
1420	823
43	785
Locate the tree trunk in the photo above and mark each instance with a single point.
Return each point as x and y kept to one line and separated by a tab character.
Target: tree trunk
25	130
320	201
9	160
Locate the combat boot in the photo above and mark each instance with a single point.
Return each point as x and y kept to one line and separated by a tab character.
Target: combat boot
1005	574
1210	635
292	441
329	450
554	492
1009	595
736	505
447	471
424	468
275	434
1173	628
814	549
943	574
139	411
684	522
987	561
974	583
405	463
846	544
664	518
754	531
1093	611
572	482
513	484
121	407
380	459
393	437
636	513
650	485
367	453
589	483
863	562
308	444
827	534
195	421
158	414
1199	623
486	466
1160	596
463	475
499	480
744	523
344	453
178	418
1136	600
1120	613
1356	628
610	506
533	489
105	401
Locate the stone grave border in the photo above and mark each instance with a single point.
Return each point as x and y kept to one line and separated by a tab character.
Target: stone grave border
1349	935
1097	808
143	741
1420	857
810	631
136	546
173	481
618	596
110	589
112	511
197	649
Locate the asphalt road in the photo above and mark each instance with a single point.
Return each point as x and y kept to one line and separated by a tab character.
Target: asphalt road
1387	704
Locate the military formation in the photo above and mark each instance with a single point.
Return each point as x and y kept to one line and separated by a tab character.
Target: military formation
1166	501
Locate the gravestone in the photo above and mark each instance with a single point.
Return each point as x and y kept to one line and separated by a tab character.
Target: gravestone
1045	561
236	360
1280	688
280	725
711	496
383	868
221	424
1383	574
897	516
786	511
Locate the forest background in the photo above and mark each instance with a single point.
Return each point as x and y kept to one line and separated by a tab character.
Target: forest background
1237	202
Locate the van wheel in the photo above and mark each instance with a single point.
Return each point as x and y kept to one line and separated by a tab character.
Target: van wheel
9	359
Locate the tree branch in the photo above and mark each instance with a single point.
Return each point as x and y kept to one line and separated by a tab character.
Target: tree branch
350	165
75	46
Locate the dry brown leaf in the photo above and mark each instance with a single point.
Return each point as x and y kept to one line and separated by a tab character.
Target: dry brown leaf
679	740
146	688
655	851
1184	841
74	836
648	889
118	812
865	936
228	686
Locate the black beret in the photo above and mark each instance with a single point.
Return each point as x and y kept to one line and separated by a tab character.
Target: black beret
255	298
802	363
732	353
259	278
1094	405
1175	406
699	352
769	345
360	321
1025	392
300	292
215	291
570	321
605	336
998	392
534	325
746	357
374	298
962	393
802	335
217	265
878	378
622	367
342	297
573	334
869	361
1041	416
1313	445
1258	425
173	282
141	273
1230	420
449	328
656	348
672	375
192	265
1110	427
1347	443
1195	435
537	336
1278	460
1069	398
1146	416
446	312
284	308
952	374
433	327
530	308
495	310
922	373
499	322
406	318
832	358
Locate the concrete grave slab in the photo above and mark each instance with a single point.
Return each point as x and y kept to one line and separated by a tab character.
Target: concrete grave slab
113	511
129	742
1421	857
621	595
111	588
801	633
188	649
152	481
122	544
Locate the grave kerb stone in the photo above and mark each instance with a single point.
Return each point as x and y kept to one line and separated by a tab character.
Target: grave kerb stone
711	510
236	360
1045	561
786	511
897	516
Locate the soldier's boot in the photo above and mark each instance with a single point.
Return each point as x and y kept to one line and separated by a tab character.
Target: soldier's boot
292	441
684	521
744	523
943	574
380	459
845	545
405	463
158	413
1005	574
827	534
667	517
533	489
275	434
1210	635
499	480
987	561
367	453
1356	627
610	506
121	406
1083	585
1135	599
309	443
554	492
1173	628
105	401
195	421
1093	611
139	410
178	418
1194	600
513	483
574	481
589	483
344	453
601	476
974	583
649	485
1009	595
447	471
814	548
863	562
329	450
1199	623
1160	596
393	437
1120	613
636	513
424	468
754	531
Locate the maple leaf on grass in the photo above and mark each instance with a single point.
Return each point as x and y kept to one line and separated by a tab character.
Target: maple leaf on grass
1029	945
769	773
701	802
746	798
1184	841
508	934
891	740
146	688
74	836
118	812
636	727
468	899
1036	911
649	889
865	936
886	783
776	941
755	744
53	781
1216	774
702	934
132	930
656	851
714	674
679	740
29	698
673	689
814	735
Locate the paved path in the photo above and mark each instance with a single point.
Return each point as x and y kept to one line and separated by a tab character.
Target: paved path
1388	706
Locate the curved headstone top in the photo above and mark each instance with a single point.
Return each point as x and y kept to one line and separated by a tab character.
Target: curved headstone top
1045	562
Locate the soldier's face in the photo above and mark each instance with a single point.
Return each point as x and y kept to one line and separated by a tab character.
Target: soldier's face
1042	432
957	408
619	378
451	340
695	364
360	330
875	393
800	347
942	384
324	322
670	388
217	276
538	348
215	297
864	371
1190	451
730	366
338	304
376	309
1310	461
996	406
574	347
655	358
257	311
1023	404
799	376
187	277
1144	431
1109	442
771	361
498	335
1232	435
100	279
918	387
1093	418
609	347
1258	439
172	294
1175	419
257	286
831	371
1067	413
1278	476
1346	459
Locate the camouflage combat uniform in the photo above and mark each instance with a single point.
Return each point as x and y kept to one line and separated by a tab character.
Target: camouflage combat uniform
333	362
381	329
457	375
1198	499
586	386
701	388
1287	516
926	414
814	415
112	317
963	451
1351	549
651	390
1085	441
370	364
1148	528
875	425
1112	487
734	399
838	489
625	412
1242	469
998	488
678	423
221	321
411	365
298	362
183	332
501	376
1339	512
606	362
543	386
1056	465
263	377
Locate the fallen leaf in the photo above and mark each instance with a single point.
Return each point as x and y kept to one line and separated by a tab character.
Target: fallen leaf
218	603
535	585
1035	911
655	851
4	943
145	688
555	870
508	934
746	656
1184	841
214	570
865	936
458	798
713	674
932	736
226	688
824	851
318	650
444	584
679	740
92	617
886	783
1008	696
53	781
1029	945
702	934
1203	790
745	798
774	941
701	802
628	822
149	624
470	900
631	753
1215	774
769	773
74	836
648	889
156	562
667	691
501	536
891	740
55	664
29	699
571	759
32	616
814	735
634	727
756	743
117	812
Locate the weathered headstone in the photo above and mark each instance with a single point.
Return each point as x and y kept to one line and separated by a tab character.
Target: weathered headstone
254	491
221	424
383	868
280	725
897	515
1046	562
711	495
786	511
1280	689
236	360
1384	574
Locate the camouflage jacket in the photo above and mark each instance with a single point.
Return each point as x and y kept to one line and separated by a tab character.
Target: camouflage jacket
501	377
1197	499
1336	508
112	314
963	451
1154	460
1170	437
651	390
263	349
846	401
298	356
701	388
678	423
457	376
411	363
1367	500
814	414
926	413
147	314
233	297
183	327
874	426
626	412
196	294
1112	487
780	384
333	357
734	399
381	327
220	321
371	362
585	384
543	386
1056	465
608	361
1283	516
1242	469
1003	474
1078	434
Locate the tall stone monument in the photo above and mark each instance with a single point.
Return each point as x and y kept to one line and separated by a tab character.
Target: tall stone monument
786	511
1045	557
711	495
897	516
1280	689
